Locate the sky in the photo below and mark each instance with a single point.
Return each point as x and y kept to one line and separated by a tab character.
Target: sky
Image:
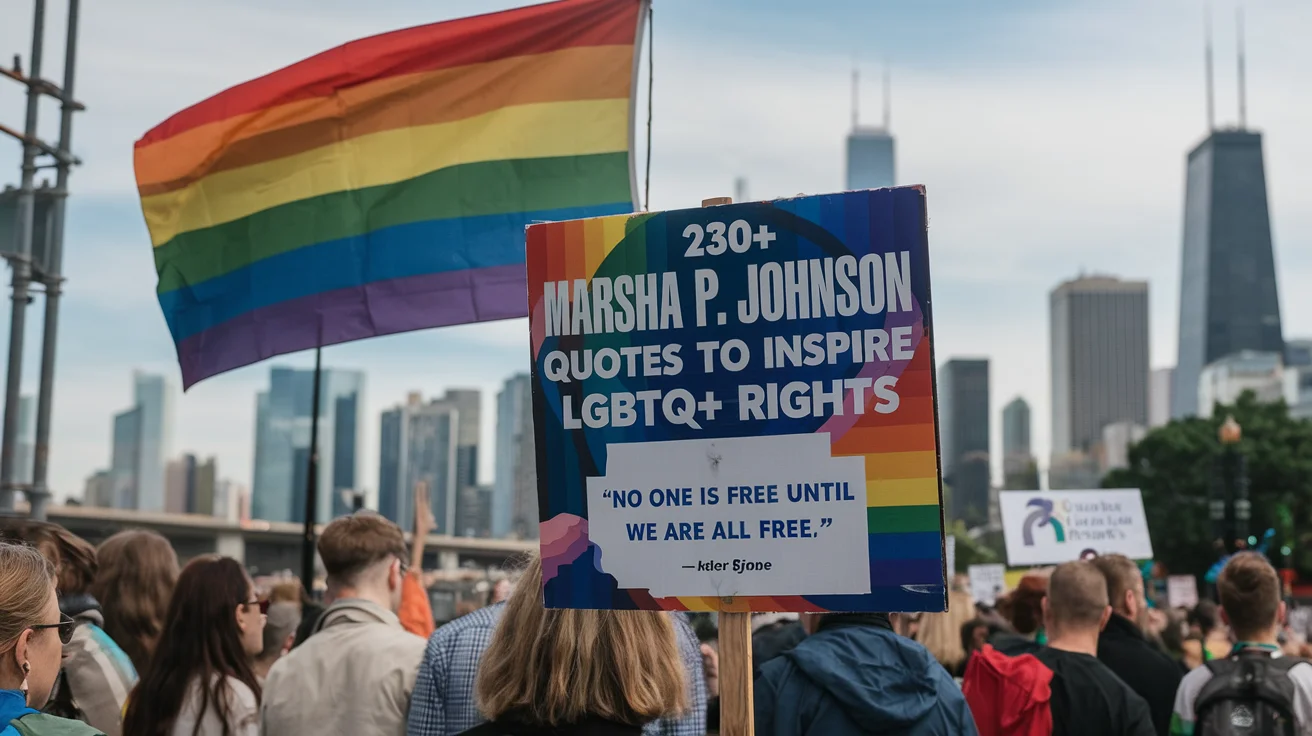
1051	138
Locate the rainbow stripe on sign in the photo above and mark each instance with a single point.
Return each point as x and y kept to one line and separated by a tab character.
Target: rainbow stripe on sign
384	185
903	506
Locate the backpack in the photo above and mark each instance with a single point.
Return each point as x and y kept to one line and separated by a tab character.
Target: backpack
1250	694
1008	696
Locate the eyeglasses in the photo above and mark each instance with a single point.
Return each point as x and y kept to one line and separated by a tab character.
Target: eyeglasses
263	605
65	626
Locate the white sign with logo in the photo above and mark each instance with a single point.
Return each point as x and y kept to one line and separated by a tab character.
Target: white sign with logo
1182	591
1051	527
987	582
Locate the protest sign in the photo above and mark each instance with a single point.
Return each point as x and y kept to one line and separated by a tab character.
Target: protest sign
734	407
1182	591
987	582
1050	527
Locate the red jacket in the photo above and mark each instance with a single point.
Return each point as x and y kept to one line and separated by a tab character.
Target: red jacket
1009	696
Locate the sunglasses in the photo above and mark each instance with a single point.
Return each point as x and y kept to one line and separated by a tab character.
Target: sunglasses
65	626
263	605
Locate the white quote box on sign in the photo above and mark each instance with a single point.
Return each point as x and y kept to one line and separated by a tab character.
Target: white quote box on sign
772	515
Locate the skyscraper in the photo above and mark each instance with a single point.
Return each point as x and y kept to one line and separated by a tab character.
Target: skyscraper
963	394
1229	300
515	492
468	405
282	443
141	441
1016	427
1159	396
1019	471
870	149
420	442
1099	343
189	485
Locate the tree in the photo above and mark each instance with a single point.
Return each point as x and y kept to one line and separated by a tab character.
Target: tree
1175	466
971	551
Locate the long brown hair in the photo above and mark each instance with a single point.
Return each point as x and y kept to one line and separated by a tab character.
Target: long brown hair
73	557
138	570
201	647
553	667
25	580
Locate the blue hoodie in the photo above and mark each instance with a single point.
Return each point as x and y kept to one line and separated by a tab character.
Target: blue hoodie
855	676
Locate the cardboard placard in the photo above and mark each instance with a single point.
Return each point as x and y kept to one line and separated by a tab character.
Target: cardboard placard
987	582
1051	527
734	407
1182	591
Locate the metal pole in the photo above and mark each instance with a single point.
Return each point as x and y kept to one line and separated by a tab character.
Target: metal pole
311	484
22	263
39	494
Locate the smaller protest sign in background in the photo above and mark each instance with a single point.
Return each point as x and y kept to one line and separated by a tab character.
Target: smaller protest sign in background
734	407
987	582
1182	591
1050	527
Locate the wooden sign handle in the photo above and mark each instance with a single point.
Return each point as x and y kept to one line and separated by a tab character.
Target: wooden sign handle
737	710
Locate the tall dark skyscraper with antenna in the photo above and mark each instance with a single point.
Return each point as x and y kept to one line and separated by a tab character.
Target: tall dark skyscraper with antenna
869	148
1228	295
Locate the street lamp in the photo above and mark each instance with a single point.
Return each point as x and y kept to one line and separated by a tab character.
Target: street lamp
1231	524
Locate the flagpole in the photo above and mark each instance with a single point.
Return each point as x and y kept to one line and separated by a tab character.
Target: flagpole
312	482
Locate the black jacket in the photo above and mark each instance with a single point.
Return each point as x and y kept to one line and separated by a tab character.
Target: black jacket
1148	672
588	727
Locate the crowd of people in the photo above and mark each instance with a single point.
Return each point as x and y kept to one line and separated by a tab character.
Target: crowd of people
118	639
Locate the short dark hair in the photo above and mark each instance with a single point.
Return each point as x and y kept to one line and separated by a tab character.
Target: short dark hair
352	543
1122	575
1250	594
1203	615
1077	595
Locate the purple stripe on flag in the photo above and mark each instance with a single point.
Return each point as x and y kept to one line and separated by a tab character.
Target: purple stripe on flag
343	315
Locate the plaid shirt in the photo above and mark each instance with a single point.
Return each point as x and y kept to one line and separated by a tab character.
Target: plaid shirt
443	700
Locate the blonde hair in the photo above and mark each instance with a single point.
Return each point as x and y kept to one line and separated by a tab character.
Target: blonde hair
558	666
26	582
138	570
940	633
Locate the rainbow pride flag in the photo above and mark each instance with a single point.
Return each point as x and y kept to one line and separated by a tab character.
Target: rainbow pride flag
384	185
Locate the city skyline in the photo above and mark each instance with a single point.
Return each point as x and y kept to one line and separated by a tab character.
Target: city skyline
1004	226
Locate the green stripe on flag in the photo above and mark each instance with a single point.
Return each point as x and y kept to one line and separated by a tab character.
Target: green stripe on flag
468	190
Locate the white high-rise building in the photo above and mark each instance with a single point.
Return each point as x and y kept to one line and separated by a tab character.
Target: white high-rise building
142	443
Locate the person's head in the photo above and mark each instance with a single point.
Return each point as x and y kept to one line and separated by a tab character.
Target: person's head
1249	589
30	630
364	555
138	570
552	667
974	635
212	631
73	557
279	634
1076	603
500	591
940	633
288	591
1202	619
1025	604
1124	587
